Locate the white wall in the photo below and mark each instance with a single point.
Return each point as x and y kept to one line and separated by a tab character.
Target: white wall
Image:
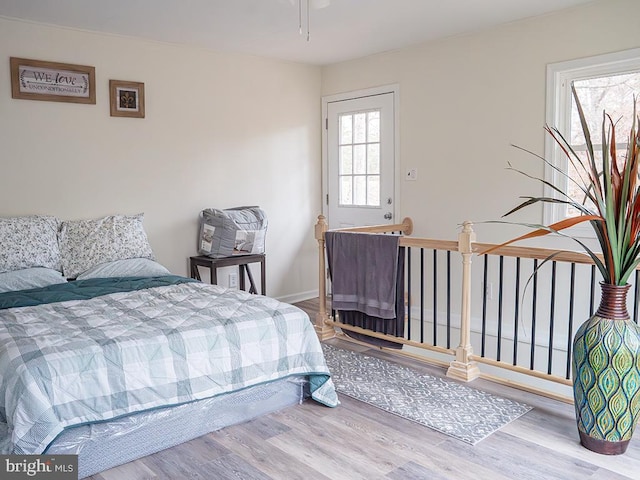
465	100
220	131
223	130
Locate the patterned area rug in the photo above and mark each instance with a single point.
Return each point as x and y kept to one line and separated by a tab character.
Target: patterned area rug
438	403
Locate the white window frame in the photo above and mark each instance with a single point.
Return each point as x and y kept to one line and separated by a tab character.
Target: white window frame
558	112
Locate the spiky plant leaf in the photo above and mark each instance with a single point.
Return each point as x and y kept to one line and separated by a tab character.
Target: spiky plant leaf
611	185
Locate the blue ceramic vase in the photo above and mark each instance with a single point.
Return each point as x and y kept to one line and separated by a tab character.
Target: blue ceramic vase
606	375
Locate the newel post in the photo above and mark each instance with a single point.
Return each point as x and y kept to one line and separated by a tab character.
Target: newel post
463	368
323	330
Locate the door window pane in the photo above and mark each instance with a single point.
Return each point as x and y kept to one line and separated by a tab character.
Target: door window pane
346	190
373	159
373	190
360	190
346	160
359	128
373	131
359	159
346	129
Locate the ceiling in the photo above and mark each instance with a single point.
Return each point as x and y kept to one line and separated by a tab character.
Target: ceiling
338	29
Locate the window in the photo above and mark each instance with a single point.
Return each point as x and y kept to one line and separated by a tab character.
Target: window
359	161
606	82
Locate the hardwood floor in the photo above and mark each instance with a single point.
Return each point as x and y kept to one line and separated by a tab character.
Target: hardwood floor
358	441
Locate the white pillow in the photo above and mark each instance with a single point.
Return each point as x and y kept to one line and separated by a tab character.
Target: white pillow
87	243
132	267
29	278
27	242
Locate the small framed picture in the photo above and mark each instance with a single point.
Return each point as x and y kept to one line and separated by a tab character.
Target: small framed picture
127	99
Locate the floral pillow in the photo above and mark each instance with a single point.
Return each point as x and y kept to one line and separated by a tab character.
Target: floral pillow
87	243
29	242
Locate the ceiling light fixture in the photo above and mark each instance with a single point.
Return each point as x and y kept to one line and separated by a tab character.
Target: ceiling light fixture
300	19
315	4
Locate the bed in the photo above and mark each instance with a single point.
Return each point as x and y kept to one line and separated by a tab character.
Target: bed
128	359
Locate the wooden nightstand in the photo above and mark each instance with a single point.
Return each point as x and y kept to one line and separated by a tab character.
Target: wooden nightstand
242	261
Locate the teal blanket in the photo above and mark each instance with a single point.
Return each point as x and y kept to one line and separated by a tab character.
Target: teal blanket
85	289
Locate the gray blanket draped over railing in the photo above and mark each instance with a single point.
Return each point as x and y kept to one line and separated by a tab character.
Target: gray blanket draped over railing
367	280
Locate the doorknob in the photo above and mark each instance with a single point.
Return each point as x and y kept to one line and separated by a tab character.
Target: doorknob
388	216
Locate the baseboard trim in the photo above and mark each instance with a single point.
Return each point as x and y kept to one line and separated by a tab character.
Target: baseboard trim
298	297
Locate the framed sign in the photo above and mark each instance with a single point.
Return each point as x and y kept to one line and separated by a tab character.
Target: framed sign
127	99
52	81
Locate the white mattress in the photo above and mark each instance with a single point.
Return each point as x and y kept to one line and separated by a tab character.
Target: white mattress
101	446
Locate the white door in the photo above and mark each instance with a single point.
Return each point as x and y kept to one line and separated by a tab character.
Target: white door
360	161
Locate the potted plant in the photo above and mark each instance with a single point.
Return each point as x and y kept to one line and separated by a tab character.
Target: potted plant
606	348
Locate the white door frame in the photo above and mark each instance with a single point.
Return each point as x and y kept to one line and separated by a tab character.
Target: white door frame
368	92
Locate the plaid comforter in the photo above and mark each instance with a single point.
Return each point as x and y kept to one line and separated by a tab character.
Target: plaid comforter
82	361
